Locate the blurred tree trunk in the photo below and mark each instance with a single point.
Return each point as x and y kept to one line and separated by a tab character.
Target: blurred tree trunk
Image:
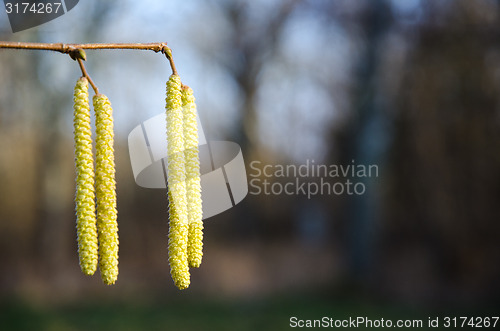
364	141
252	49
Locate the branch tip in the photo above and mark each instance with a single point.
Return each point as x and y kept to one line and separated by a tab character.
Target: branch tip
167	51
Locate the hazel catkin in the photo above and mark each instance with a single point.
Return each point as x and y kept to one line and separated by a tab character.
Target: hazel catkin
193	184
178	219
105	187
84	197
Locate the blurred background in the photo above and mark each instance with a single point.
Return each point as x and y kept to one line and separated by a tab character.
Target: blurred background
412	86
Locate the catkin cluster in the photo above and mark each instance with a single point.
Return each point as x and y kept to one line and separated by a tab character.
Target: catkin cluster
97	228
184	189
96	212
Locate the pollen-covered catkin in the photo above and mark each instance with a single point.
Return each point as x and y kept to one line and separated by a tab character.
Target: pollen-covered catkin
193	185
178	219
107	225
84	197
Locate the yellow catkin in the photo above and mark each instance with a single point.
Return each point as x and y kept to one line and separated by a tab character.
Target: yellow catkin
106	190
178	219
193	185
84	197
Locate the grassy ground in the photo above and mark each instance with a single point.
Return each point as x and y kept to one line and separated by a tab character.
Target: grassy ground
203	314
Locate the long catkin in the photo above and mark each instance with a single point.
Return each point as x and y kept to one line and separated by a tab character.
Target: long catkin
85	195
193	185
106	190
178	219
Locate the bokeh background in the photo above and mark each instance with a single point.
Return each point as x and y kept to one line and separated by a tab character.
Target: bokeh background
412	86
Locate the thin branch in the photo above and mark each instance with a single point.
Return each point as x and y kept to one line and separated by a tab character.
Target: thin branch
66	48
71	48
168	53
86	75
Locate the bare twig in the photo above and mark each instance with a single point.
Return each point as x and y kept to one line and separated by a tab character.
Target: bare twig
86	75
168	53
72	48
66	48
